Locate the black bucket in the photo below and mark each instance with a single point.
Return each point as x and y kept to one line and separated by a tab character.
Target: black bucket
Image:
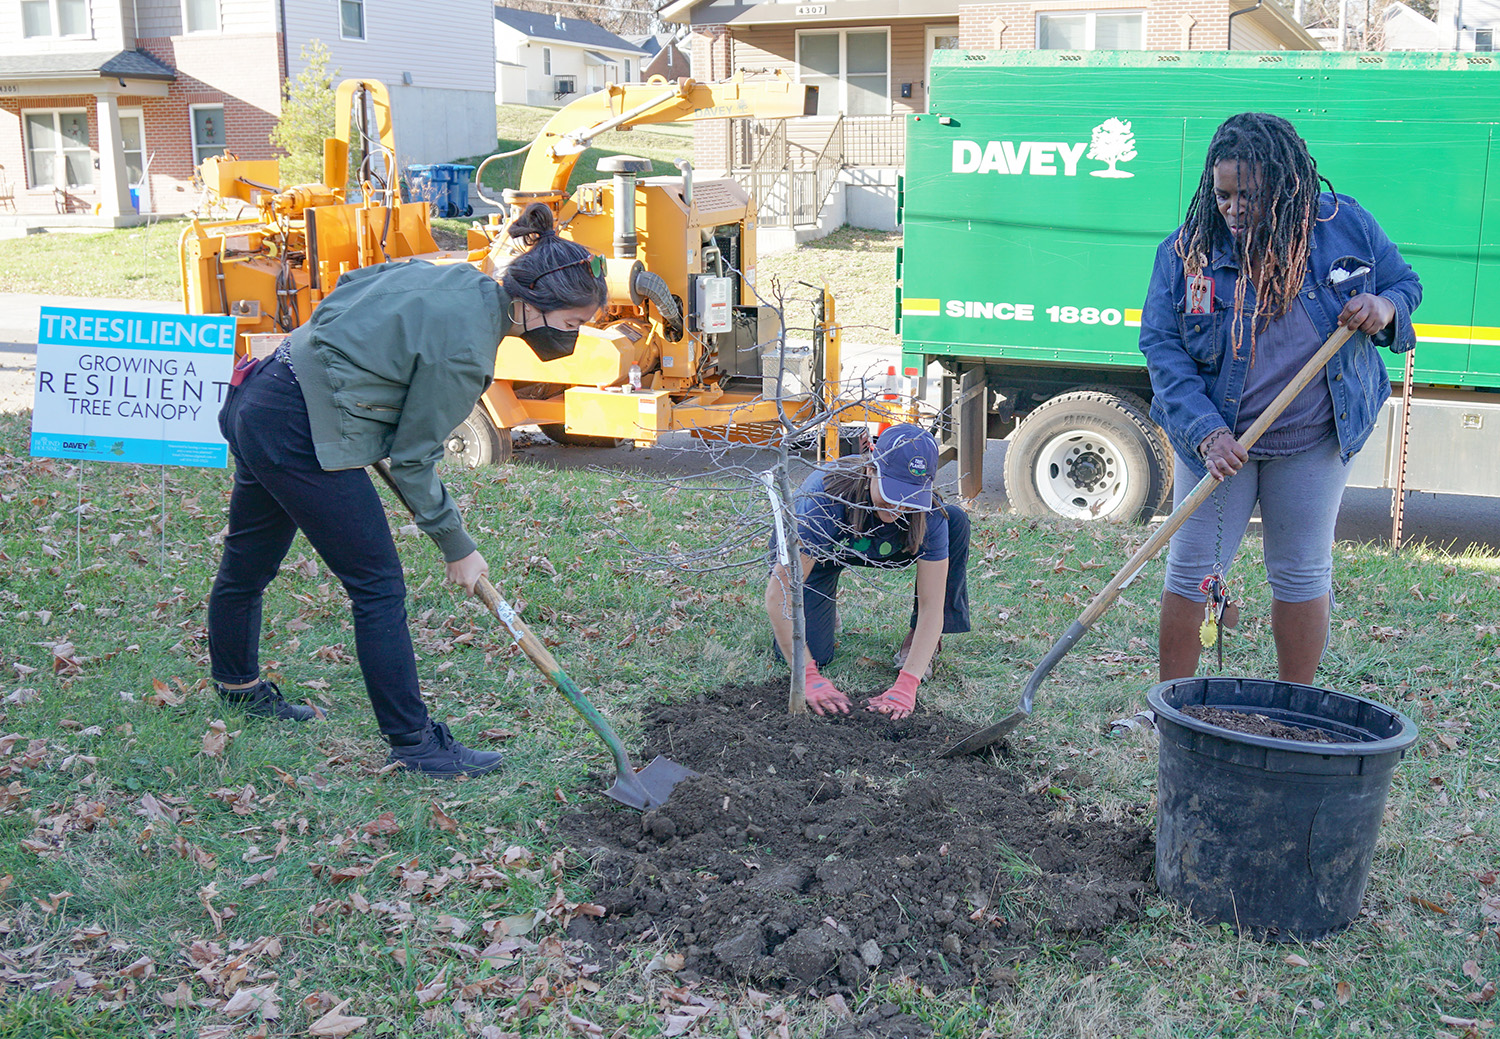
1272	836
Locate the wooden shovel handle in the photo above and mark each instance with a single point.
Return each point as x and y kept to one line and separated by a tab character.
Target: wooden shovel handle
1106	597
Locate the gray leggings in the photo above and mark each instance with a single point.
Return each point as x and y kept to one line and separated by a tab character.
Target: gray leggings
1299	499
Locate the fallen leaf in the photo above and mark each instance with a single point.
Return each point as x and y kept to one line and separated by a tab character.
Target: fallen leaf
215	739
1296	961
335	1024
434	989
1472	972
1485	994
1433	907
1342	992
260	1000
141	968
382	824
442	820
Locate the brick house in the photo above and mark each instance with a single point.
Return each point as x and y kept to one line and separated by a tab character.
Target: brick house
665	57
870	61
104	99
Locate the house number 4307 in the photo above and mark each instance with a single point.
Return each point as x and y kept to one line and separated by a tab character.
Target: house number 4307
809	10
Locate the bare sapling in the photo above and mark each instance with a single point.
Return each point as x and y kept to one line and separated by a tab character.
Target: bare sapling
754	480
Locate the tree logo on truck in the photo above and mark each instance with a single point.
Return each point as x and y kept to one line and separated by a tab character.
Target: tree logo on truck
1112	143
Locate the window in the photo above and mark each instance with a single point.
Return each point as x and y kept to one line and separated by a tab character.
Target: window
849	67
1090	30
200	15
54	18
208	131
627	71
546	61
1484	39
352	19
57	149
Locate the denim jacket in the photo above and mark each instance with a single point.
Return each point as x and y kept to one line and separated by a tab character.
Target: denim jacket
1185	351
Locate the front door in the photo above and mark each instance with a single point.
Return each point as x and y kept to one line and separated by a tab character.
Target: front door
939	38
133	137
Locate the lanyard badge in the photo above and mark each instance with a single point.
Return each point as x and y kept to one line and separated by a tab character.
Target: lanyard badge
1200	295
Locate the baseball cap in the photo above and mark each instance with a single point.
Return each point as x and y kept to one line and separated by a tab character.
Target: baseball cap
906	460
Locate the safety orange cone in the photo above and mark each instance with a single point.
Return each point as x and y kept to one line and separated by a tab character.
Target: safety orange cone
891	395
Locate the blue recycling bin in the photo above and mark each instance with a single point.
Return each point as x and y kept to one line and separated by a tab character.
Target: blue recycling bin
444	185
422	186
458	190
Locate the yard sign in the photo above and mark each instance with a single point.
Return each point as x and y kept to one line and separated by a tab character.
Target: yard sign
125	386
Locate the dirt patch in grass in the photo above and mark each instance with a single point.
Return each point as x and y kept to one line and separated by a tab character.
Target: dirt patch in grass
813	853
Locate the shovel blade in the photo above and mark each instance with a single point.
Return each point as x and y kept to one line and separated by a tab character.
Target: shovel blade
651	786
977	741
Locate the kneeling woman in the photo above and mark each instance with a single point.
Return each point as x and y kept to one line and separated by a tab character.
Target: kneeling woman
390	363
876	510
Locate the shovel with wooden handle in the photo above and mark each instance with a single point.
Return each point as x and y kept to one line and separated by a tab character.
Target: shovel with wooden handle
647	788
1106	598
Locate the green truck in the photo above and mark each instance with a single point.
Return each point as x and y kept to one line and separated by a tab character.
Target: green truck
1039	185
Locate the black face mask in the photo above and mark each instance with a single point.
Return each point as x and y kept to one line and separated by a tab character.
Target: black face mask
550	343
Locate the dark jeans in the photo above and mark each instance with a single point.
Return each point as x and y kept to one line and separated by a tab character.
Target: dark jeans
279	488
820	592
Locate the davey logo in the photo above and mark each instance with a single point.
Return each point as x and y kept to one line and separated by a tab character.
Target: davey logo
1111	143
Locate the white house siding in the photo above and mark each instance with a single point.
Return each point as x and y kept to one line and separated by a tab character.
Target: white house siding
159	18
108	31
510	84
1248	36
448	110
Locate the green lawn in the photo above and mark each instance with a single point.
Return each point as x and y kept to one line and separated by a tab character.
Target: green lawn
132	263
161	874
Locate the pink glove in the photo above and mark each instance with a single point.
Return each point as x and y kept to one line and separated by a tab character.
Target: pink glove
822	697
900	699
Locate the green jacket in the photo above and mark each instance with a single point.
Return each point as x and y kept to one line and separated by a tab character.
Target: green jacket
390	363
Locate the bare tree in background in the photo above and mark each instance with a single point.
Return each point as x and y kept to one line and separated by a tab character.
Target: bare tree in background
754	496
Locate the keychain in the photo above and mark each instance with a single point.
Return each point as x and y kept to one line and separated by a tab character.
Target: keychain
1215	591
1215	601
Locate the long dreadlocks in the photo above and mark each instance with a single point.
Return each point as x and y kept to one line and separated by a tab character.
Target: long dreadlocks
1274	247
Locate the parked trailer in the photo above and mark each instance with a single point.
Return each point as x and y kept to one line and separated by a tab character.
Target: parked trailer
1040	184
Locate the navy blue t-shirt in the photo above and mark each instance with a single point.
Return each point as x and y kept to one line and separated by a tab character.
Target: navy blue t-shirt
827	536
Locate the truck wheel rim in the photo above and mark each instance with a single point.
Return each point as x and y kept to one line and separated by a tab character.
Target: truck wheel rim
1082	475
462	446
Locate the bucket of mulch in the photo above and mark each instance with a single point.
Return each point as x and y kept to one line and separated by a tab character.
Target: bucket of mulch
1270	796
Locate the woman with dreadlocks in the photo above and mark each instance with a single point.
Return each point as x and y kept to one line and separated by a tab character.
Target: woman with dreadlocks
1264	268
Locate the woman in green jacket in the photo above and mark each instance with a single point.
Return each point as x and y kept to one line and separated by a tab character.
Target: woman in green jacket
390	363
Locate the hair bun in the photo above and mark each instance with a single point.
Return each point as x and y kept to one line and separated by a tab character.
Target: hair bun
534	224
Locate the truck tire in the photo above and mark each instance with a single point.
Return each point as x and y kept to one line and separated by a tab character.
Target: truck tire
477	442
1088	454
558	434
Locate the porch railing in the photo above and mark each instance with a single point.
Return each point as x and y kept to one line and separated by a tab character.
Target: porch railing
791	179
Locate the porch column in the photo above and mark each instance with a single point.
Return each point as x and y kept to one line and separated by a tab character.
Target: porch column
114	192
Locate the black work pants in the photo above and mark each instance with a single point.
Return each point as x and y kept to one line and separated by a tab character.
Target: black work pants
279	488
820	591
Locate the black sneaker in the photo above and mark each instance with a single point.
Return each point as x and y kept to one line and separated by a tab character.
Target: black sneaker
266	701
434	752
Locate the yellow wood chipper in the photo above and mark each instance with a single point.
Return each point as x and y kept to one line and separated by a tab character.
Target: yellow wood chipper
680	262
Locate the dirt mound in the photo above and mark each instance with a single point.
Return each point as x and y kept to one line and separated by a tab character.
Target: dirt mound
815	852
